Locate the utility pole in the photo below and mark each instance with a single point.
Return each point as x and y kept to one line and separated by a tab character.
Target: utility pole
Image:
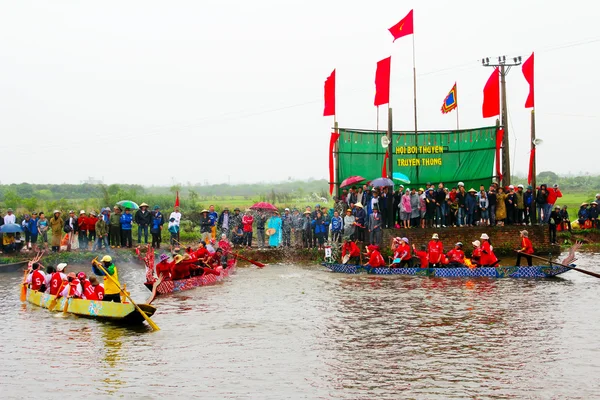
504	66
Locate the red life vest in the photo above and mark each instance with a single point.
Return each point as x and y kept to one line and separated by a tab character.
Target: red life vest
88	290
456	255
164	268
527	246
376	260
55	283
37	280
436	250
403	252
73	288
424	258
99	289
487	255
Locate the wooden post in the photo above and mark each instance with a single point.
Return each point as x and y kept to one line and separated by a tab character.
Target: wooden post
505	141
533	169
336	162
390	198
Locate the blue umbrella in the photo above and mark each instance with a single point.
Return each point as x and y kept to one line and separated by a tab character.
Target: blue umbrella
400	177
379	182
11	228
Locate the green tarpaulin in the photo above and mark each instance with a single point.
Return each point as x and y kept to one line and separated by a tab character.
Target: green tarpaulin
440	156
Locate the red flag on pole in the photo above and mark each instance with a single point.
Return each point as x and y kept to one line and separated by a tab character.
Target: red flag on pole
499	137
329	108
384	173
528	73
177	199
382	81
531	160
491	95
404	27
334	137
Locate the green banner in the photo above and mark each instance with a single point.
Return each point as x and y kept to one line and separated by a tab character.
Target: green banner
437	156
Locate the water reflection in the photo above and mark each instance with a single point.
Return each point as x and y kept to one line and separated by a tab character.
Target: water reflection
291	331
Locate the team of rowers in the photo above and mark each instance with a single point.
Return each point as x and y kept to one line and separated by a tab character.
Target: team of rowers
204	260
432	255
61	283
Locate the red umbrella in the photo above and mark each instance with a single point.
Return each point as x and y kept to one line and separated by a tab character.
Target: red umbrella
263	206
352	180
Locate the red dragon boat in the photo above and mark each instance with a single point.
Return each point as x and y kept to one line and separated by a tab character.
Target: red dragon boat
173	286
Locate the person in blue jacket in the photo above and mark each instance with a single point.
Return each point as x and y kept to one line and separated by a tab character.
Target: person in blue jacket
337	225
319	225
126	225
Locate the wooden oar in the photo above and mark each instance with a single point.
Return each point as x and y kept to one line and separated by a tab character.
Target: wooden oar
563	265
56	297
258	264
24	286
147	318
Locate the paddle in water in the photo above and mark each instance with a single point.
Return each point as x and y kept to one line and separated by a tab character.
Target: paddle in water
258	264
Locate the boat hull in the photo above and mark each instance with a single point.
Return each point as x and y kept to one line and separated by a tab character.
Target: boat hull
479	272
180	285
104	310
18	266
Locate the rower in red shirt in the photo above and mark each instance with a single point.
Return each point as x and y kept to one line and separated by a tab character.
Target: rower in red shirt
526	249
56	281
181	269
456	256
36	279
73	288
436	251
403	254
488	258
423	256
476	256
350	248
164	268
98	289
375	259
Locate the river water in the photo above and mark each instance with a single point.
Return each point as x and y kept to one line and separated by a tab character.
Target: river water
291	331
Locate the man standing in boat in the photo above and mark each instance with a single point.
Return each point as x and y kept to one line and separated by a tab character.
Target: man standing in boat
526	249
111	286
436	251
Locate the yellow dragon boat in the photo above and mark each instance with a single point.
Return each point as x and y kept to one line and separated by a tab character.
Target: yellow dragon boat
125	313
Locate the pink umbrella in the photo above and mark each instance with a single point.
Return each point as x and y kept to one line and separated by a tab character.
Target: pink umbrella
264	206
352	180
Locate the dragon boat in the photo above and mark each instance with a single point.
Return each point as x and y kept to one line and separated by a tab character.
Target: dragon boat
125	313
457	272
173	286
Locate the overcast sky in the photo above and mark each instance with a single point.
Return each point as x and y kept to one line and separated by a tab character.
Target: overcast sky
151	91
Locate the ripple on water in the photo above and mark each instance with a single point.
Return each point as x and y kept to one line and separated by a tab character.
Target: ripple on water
290	331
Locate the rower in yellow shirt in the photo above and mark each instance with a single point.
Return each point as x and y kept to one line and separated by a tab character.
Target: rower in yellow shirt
111	286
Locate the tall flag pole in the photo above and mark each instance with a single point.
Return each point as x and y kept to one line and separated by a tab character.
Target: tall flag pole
382	87
528	73
404	28
451	103
328	110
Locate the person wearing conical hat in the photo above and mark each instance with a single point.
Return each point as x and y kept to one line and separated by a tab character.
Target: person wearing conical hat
360	221
500	207
436	251
488	258
206	226
143	219
56	226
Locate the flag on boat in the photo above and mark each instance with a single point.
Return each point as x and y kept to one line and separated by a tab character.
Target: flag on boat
451	101
382	81
528	73
491	95
404	27
329	108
